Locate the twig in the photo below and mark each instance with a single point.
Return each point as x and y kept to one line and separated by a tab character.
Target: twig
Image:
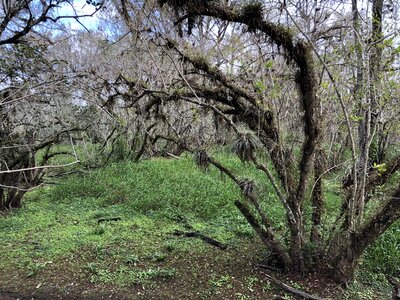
39	167
172	155
21	189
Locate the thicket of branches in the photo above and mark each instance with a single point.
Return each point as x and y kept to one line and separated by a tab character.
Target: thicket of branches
303	91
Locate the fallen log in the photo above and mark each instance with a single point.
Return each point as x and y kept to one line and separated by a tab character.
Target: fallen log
205	238
291	289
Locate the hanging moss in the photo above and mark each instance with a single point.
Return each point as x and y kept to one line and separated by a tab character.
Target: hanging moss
253	14
184	6
173	3
191	8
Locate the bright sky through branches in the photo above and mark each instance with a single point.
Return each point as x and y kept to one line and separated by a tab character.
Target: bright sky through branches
79	7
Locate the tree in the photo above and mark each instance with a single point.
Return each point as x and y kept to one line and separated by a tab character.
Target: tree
31	91
297	159
285	87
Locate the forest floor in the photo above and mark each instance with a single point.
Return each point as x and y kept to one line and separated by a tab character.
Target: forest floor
109	234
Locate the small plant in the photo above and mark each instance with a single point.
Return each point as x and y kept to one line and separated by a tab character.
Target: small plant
35	267
102	276
243	230
98	274
218	283
245	145
92	267
384	255
267	287
145	276
99	230
381	168
359	291
250	282
132	260
241	296
170	246
247	187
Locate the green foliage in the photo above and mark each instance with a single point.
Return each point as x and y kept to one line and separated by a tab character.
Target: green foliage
384	255
120	149
34	267
381	168
259	86
219	282
356	118
126	276
156	185
152	199
269	64
60	223
368	286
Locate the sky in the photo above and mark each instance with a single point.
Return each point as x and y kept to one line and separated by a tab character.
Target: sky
79	7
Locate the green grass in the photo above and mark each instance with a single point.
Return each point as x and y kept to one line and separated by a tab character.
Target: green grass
59	224
151	198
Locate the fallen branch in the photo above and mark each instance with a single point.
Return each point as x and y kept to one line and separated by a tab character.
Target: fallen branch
108	220
172	155
28	189
291	289
39	168
205	238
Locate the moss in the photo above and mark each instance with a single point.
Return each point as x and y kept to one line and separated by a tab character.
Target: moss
200	62
191	8
253	14
185	6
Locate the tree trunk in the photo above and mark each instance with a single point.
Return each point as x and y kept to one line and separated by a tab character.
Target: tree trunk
344	255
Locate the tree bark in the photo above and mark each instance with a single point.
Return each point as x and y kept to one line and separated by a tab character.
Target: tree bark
344	258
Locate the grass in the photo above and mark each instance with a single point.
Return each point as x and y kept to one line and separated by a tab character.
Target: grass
60	229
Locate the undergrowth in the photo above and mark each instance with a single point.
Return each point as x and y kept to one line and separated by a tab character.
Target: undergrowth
114	225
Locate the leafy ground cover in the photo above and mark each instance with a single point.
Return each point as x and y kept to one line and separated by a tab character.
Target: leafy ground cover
108	234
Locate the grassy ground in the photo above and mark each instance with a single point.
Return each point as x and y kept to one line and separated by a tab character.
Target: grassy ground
60	245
